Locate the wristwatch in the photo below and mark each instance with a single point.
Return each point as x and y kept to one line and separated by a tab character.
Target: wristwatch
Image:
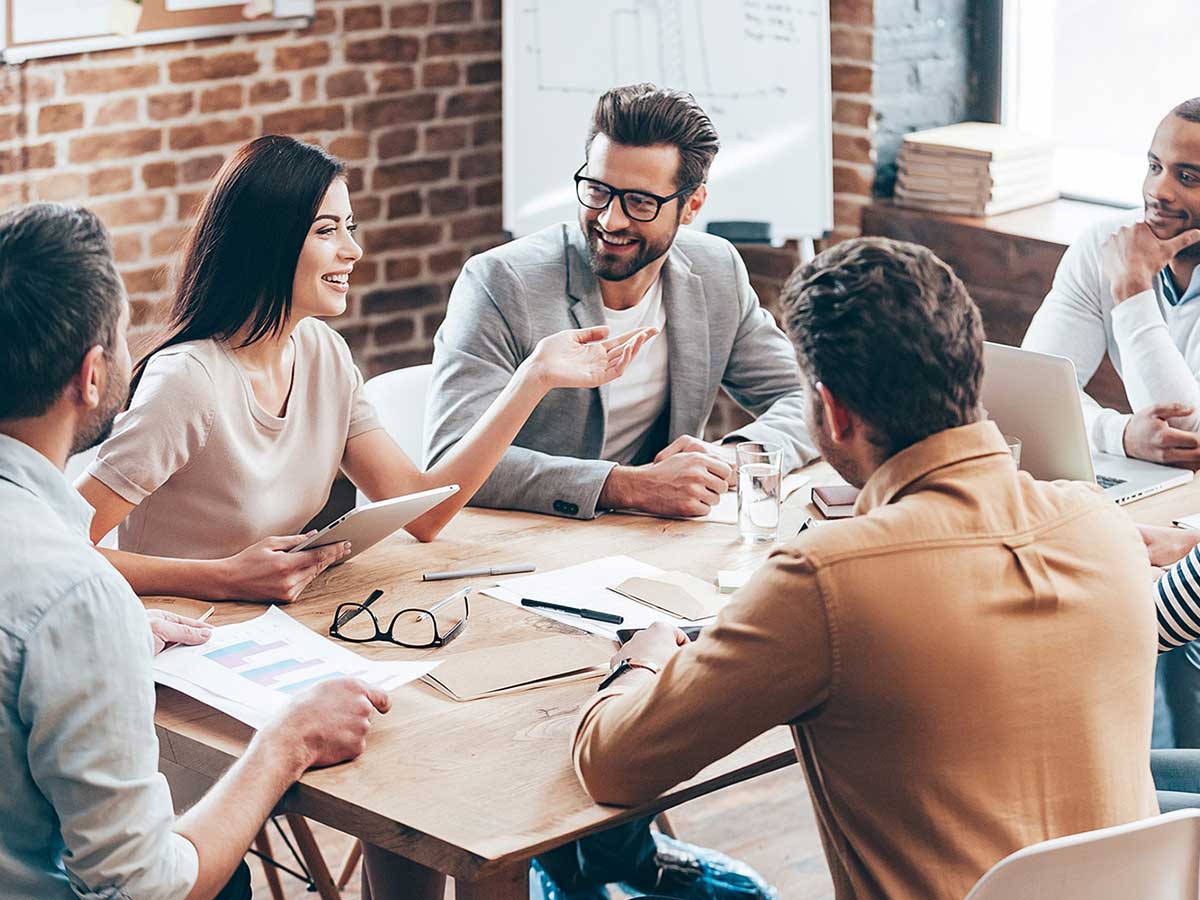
624	666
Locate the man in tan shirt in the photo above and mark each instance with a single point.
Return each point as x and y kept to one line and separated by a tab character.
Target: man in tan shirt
967	665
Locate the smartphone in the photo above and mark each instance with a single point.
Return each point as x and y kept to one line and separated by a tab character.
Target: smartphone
624	634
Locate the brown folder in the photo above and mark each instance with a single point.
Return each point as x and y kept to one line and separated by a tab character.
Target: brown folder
518	667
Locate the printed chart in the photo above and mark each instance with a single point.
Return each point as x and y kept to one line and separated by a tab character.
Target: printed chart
252	669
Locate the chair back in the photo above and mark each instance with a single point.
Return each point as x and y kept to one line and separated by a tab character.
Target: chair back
1151	859
399	398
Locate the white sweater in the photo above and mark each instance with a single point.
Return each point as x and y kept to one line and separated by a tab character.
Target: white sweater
1155	347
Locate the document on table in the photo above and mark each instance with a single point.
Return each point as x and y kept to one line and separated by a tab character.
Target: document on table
251	670
725	510
491	671
588	585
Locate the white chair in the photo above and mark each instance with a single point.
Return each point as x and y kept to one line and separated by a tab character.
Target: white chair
399	398
75	467
1152	859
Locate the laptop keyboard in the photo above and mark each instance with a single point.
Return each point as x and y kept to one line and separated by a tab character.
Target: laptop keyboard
1106	482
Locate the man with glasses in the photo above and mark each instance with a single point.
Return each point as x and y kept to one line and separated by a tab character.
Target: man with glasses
627	264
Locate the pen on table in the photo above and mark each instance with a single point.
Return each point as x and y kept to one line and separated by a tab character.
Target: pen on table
201	620
580	611
512	569
355	610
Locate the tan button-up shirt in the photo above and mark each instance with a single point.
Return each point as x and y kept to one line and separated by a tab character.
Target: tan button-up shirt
967	665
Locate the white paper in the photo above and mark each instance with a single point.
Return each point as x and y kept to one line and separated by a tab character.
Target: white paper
177	5
1192	521
285	8
58	20
252	669
586	585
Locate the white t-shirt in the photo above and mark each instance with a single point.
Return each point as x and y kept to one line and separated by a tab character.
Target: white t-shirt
638	397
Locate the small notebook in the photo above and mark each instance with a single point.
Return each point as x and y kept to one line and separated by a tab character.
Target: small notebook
518	667
677	593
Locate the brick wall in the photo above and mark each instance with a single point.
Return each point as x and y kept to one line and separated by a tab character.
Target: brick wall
407	92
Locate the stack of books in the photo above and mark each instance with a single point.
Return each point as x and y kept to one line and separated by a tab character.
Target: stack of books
974	169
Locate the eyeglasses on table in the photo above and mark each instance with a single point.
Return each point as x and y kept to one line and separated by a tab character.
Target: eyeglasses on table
414	627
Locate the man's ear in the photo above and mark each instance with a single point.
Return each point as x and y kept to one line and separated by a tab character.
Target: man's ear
839	424
90	378
691	205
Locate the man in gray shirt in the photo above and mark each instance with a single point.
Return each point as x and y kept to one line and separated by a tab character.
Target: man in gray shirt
627	264
84	811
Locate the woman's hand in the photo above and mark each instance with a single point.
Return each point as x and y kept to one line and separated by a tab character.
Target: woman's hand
267	571
1166	546
583	358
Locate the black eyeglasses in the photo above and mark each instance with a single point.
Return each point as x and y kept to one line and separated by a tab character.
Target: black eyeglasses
640	206
413	627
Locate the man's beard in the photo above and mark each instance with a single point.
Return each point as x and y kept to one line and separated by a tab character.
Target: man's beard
609	267
841	462
100	424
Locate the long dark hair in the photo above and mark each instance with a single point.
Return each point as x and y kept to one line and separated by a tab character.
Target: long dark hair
239	260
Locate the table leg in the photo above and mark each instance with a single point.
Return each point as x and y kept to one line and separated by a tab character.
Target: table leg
511	883
311	853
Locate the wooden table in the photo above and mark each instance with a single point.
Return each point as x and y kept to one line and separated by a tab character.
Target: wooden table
476	789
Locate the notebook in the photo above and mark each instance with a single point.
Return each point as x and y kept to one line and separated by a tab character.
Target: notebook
524	666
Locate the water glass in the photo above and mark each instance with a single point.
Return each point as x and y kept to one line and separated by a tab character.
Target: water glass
760	481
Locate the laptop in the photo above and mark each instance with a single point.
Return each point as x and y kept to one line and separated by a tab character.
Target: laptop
1035	397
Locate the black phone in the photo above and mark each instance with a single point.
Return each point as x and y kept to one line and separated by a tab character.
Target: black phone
624	634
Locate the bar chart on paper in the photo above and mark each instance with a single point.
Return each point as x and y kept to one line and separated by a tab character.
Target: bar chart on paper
251	669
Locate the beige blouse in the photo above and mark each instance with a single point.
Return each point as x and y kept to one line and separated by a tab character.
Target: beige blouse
210	471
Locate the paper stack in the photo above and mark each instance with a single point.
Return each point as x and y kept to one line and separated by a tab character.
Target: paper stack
974	169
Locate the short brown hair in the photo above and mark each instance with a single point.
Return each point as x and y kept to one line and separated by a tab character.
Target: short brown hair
1189	110
891	331
642	115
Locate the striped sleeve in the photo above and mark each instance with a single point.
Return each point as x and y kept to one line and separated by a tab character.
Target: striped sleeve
1178	600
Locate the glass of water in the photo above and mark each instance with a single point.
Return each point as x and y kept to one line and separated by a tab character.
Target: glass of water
759	483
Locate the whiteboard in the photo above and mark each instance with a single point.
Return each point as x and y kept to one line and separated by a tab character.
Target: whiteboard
759	68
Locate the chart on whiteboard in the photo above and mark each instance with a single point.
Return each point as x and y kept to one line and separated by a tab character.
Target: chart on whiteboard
57	20
252	669
755	66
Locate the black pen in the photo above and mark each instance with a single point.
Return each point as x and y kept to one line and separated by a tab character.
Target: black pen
611	618
351	613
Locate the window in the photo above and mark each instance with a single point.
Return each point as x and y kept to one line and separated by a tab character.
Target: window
1097	76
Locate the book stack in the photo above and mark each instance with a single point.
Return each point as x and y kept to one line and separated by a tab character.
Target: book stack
974	169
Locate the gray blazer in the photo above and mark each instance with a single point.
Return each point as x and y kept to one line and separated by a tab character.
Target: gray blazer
507	299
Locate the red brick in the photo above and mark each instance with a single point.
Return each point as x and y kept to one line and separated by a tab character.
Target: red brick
406	237
355	146
37	156
127	247
489	10
303	56
109	80
453	11
394	79
400	299
11	125
352	83
851	78
397	142
419	172
324	22
479	165
367	209
847	180
145	281
445	261
853	148
852	12
477	225
131	210
847	214
851	112
301	120
208	68
110	181
189	203
404	204
473	103
19	85
440	74
270	91
218	99
120	146
487	131
439	138
400	359
163	174
212	133
362	18
394	111
355	181
354	335
488	194
409	15
308	89
201	168
404	268
118	112
484	72
395	331
455	43
63	117
847	44
390	48
166	241
447	200
60	188
13	195
169	106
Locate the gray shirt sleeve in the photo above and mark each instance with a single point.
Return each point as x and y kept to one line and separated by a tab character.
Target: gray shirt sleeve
475	353
763	377
87	697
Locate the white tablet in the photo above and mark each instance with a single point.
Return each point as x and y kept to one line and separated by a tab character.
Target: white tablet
366	526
